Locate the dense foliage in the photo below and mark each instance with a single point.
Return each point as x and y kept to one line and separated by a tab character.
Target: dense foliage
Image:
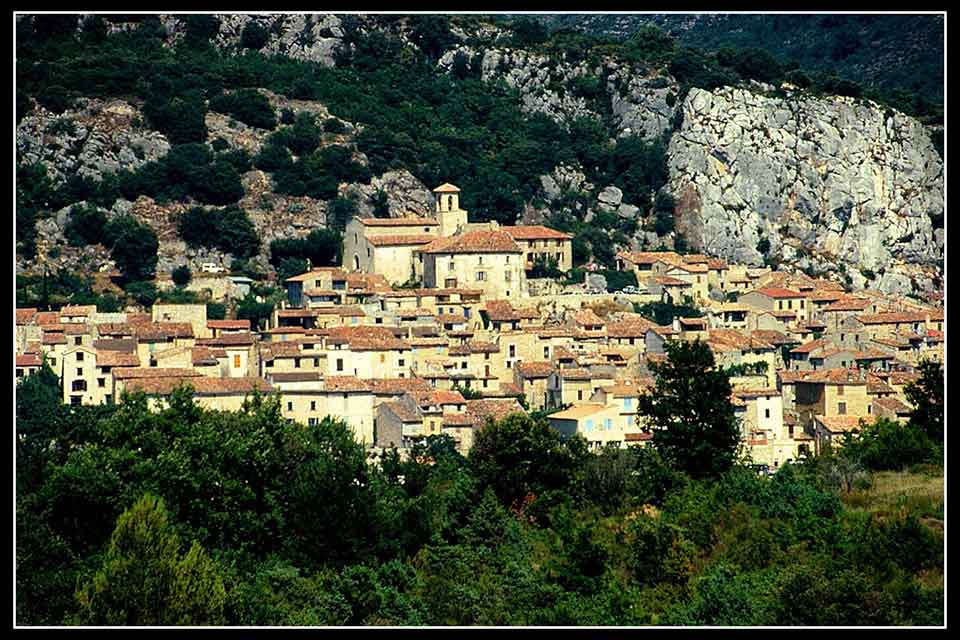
228	229
186	515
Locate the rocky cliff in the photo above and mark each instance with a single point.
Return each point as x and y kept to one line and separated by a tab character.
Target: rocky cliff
828	182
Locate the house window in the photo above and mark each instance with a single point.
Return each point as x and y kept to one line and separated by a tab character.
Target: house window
268	363
339	364
869	409
480	260
507	276
546	352
842	408
400	362
512	350
101	382
608	424
312	422
313	405
383	358
296	363
481	276
766	413
79	385
78	340
579	394
236	361
79	372
289	406
452	266
840	390
628	404
75	400
590	425
80	356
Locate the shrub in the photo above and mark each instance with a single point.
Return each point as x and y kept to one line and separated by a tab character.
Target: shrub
181	275
143	293
254	36
134	247
228	229
249	106
216	311
85	226
56	99
273	157
333	125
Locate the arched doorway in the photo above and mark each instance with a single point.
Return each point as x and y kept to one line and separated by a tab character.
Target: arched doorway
356	262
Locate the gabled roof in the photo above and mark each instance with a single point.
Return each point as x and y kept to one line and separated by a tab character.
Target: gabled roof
778	293
842	424
535	232
474	242
534	369
446	187
228	324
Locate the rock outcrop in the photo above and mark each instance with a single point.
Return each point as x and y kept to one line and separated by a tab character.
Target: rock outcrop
826	181
96	138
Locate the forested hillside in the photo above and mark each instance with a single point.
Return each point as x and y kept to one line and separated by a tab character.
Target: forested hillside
887	52
287	126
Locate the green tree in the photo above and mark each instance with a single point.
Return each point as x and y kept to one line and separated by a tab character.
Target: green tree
926	396
144	580
689	411
517	456
133	246
181	275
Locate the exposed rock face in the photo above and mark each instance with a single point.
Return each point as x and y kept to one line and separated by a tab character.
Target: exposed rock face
842	181
642	104
406	195
638	102
100	136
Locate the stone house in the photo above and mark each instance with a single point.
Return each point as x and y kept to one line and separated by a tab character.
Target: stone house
777	299
833	392
544	243
487	260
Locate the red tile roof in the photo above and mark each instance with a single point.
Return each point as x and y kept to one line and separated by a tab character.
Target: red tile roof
779	292
202	385
117	359
534	369
535	232
153	372
28	360
228	324
26	316
475	242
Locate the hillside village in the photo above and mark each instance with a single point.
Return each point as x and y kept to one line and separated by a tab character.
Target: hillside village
472	336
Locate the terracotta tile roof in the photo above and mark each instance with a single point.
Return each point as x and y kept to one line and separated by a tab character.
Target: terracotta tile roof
203	385
487	408
835	376
50	337
747	394
535	232
446	187
153	372
842	424
228	324
813	345
345	384
848	304
203	356
789	376
138	317
47	317
821	295
871	354
26	315
28	360
454	420
586	317
631	389
899	378
534	369
428	342
775	338
778	292
397	386
690	268
162	330
579	410
717	264
316	274
401	240
475	242
501	311
77	329
575	374
117	359
295	376
115	344
410	221
116	329
33	347
477	346
450	318
80	311
404	411
891	318
696	258
243	339
633	328
893	405
650	257
693	322
669	281
638	437
367	338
